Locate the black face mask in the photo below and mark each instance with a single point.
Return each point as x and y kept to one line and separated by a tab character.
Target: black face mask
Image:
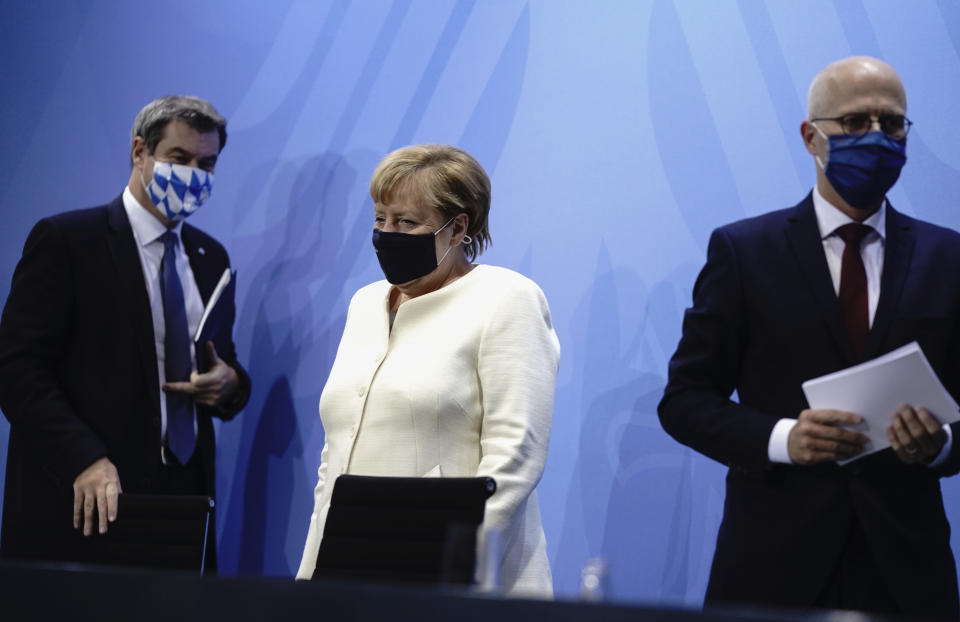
404	257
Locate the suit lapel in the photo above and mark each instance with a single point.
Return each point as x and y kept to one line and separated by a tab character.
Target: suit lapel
203	271
126	260
897	255
803	235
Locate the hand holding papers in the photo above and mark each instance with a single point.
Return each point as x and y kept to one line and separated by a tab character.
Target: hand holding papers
214	381
877	388
214	316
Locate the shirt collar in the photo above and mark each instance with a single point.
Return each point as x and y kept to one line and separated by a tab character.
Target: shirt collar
146	227
829	218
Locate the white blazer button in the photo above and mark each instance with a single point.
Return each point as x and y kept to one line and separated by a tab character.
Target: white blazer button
362	391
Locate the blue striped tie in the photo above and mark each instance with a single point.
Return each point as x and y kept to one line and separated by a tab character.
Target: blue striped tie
176	345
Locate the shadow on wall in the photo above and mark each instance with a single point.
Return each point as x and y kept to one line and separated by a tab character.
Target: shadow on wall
685	131
305	259
630	479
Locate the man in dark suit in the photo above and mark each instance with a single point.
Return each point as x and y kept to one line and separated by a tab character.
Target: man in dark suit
98	373
798	293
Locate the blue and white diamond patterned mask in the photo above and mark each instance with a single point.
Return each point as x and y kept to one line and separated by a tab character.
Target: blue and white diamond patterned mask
178	190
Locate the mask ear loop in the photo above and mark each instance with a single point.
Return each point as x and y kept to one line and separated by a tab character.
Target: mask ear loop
143	183
140	175
826	138
465	240
449	248
437	232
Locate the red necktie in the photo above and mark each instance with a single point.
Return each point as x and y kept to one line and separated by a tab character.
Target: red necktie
853	287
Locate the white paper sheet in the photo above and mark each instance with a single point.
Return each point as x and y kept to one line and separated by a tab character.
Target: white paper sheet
214	298
876	388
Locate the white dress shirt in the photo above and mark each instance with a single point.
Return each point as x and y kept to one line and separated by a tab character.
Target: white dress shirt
829	219
147	231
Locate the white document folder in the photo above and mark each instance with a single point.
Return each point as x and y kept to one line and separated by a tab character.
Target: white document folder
876	389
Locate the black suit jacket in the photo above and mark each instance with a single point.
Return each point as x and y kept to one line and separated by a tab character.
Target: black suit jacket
78	370
765	318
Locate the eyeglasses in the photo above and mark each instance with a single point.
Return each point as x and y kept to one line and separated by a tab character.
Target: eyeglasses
858	123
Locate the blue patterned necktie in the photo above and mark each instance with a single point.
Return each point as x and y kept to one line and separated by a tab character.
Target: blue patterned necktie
176	345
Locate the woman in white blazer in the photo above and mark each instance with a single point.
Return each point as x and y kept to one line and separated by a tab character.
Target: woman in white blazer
447	368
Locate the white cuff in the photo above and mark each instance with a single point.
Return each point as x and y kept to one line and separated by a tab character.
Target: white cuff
777	447
945	450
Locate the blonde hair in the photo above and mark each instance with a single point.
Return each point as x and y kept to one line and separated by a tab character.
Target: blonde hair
445	178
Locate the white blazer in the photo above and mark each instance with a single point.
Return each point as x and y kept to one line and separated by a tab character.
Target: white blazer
462	386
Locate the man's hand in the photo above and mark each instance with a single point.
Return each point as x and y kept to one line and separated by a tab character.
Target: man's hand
211	388
915	435
97	486
818	437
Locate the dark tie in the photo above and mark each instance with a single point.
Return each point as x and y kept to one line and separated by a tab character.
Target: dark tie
176	345
853	287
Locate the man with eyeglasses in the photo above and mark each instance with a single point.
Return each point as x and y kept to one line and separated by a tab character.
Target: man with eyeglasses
794	294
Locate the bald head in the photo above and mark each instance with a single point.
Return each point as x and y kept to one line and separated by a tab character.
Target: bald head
866	93
849	82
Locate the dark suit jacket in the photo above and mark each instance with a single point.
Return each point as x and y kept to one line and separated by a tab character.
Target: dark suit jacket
78	370
764	319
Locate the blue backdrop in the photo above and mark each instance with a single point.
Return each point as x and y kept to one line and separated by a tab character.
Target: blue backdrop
617	135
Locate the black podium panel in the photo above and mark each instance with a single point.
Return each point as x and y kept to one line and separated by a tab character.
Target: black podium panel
47	593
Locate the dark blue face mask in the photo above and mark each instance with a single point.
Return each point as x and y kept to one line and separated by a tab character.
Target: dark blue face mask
404	257
862	168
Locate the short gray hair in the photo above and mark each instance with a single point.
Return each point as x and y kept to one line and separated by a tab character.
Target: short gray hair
199	114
